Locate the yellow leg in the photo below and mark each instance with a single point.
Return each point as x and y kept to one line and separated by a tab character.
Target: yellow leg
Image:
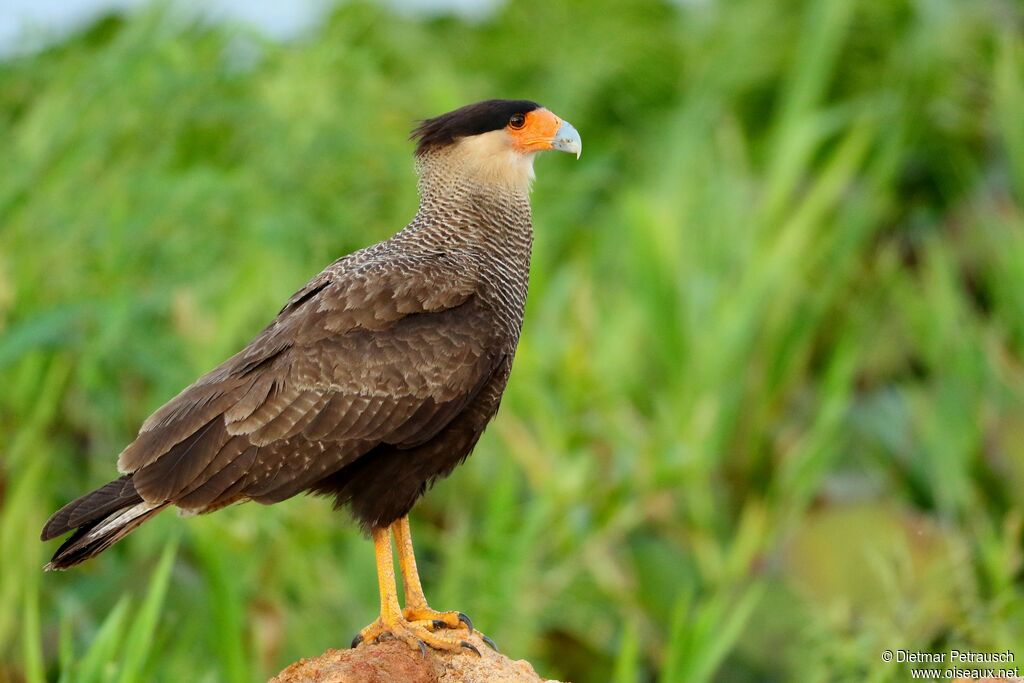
389	609
391	622
416	607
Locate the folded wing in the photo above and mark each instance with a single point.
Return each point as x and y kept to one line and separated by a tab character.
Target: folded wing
380	351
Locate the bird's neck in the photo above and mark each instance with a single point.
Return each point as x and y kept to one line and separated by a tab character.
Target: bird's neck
460	209
470	204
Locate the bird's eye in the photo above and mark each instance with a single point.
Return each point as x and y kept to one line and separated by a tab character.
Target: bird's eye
517	121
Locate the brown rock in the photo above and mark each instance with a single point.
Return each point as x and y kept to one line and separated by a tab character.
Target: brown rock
391	661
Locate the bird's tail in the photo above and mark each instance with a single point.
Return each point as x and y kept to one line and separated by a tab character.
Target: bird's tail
99	519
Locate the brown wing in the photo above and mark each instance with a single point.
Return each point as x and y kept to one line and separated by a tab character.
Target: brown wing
387	350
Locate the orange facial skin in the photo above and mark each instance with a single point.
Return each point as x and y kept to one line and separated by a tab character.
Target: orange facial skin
537	133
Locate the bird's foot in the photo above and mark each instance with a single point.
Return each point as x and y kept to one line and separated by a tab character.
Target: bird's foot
434	620
419	634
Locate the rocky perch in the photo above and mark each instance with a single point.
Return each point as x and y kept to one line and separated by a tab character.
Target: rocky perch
391	661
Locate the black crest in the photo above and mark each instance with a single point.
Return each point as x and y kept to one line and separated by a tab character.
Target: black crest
472	119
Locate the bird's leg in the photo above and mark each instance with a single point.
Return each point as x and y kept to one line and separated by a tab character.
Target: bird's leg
391	623
390	612
416	607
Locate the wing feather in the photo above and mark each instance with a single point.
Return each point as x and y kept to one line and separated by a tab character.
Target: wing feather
298	474
253	398
299	426
216	489
386	351
281	395
278	427
330	416
160	480
176	421
220	473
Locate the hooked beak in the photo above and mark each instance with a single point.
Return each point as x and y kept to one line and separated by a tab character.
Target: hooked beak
543	130
567	139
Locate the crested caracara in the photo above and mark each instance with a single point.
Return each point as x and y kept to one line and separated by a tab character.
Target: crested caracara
374	380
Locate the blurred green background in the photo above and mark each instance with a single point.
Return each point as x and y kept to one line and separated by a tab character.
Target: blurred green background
767	416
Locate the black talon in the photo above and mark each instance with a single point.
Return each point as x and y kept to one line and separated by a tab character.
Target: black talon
356	641
470	646
423	649
490	643
439	624
467	621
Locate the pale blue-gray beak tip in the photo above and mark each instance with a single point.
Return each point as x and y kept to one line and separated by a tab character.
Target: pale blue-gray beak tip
567	139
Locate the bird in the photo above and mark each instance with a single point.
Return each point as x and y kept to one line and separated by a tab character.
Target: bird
375	379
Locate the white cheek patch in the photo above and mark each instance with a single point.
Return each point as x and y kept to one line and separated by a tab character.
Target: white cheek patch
492	159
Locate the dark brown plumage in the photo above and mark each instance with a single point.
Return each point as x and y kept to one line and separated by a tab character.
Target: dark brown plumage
375	379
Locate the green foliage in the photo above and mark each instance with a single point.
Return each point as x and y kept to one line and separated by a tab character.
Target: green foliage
767	416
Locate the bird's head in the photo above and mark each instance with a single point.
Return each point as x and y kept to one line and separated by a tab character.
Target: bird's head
495	140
